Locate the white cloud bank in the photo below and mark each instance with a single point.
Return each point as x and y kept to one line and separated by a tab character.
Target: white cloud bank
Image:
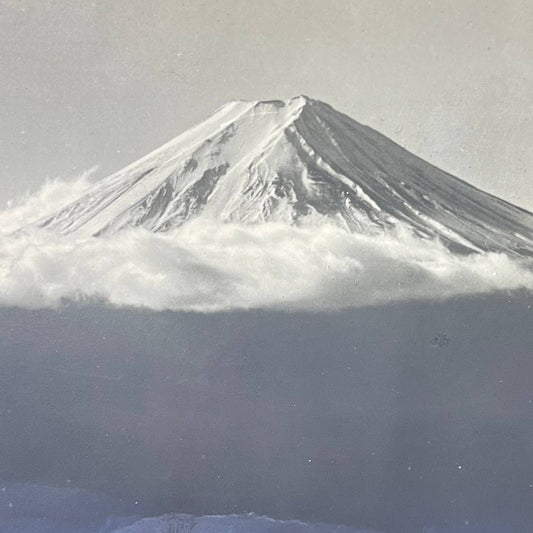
205	266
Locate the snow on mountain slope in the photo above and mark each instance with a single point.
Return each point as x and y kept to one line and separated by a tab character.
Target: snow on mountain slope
300	162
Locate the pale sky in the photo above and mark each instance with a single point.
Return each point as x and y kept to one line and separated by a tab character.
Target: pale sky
102	83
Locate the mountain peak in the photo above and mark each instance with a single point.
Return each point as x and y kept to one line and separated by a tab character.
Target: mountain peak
294	105
300	162
300	99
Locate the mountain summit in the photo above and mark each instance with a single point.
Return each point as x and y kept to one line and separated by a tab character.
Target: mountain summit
301	162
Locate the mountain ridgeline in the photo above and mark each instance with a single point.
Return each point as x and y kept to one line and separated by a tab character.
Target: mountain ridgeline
302	163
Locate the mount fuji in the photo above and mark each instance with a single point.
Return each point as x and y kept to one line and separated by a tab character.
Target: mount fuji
299	162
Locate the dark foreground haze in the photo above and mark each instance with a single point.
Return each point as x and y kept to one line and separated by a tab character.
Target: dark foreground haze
395	418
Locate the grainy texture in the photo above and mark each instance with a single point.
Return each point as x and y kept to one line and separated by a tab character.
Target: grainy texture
102	83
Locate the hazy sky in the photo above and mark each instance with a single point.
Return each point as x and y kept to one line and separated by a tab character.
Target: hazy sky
102	83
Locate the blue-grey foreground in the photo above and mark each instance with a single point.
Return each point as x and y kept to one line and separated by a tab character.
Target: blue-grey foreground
393	418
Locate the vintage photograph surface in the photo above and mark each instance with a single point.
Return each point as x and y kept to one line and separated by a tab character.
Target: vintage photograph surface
266	266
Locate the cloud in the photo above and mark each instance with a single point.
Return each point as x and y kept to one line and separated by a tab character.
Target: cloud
206	266
54	193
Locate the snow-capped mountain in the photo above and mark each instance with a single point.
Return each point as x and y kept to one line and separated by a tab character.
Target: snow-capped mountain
300	162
